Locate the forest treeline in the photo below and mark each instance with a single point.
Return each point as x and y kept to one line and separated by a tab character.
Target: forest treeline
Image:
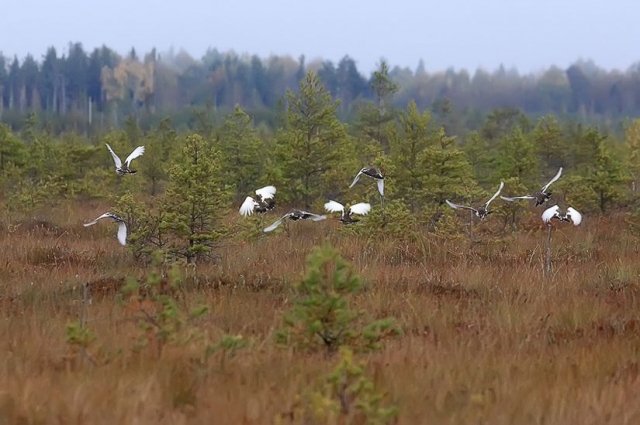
95	91
187	180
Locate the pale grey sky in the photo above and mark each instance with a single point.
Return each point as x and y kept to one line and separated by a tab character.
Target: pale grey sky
527	34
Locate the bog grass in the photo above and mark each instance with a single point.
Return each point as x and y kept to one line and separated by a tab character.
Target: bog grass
486	338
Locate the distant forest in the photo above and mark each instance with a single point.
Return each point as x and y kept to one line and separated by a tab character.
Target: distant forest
93	92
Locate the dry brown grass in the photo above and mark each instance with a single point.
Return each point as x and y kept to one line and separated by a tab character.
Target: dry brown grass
486	338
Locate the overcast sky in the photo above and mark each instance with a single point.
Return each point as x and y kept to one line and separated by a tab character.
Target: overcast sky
527	34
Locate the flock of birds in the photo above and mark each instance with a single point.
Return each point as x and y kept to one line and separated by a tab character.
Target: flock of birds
264	201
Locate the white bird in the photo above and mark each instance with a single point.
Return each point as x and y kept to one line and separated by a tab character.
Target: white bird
295	215
122	227
375	174
122	170
540	197
361	208
265	201
554	212
481	211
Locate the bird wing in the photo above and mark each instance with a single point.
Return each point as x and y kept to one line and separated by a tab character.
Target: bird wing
456	206
494	196
556	177
355	180
361	208
133	155
122	233
549	213
312	216
91	223
574	216
515	198
381	187
333	206
276	223
266	192
247	206
116	158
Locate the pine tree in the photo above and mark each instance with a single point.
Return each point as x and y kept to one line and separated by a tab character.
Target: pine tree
550	144
447	172
407	148
313	151
606	177
516	158
243	153
632	144
159	145
194	200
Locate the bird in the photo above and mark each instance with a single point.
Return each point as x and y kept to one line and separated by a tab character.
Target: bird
540	197
295	215
570	215
374	173
361	208
481	211
122	226
120	169
265	201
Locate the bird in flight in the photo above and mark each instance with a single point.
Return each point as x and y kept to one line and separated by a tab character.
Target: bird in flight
481	211
125	169
294	215
265	201
375	174
361	208
570	215
540	197
122	226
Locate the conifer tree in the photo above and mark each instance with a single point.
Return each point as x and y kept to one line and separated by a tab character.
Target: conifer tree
159	145
195	197
242	151
313	151
447	172
632	144
407	149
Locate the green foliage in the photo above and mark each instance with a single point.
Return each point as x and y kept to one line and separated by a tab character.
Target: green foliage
448	173
407	150
196	196
347	395
227	347
603	171
313	151
321	316
161	315
632	143
243	153
78	335
159	146
517	157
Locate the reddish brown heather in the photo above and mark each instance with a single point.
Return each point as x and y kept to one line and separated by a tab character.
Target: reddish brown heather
486	338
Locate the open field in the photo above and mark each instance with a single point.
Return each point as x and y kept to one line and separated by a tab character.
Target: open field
486	338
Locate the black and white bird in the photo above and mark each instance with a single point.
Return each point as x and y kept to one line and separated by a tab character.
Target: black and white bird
265	201
481	211
122	226
375	174
125	169
295	215
361	208
570	215
540	197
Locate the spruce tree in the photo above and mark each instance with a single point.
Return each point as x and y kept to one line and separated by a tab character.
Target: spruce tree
195	198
